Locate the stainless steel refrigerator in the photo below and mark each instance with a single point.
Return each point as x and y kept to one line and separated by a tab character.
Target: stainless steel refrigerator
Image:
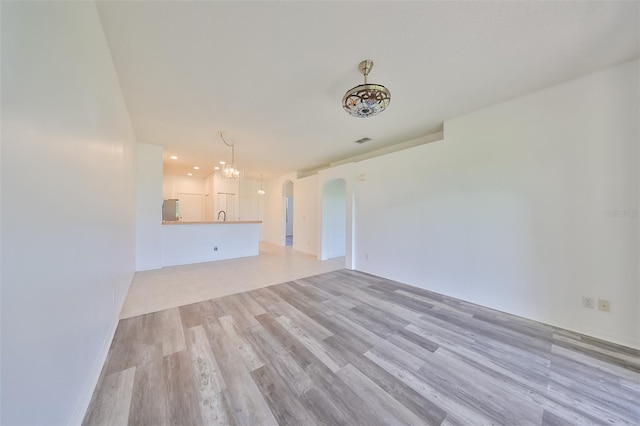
171	210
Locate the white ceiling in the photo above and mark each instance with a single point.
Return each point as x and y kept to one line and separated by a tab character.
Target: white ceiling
272	74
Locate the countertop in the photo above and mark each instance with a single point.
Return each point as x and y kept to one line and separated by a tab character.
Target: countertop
213	222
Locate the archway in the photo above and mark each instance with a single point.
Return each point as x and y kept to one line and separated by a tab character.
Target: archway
334	219
287	195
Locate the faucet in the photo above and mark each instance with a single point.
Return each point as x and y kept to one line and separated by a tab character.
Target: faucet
224	215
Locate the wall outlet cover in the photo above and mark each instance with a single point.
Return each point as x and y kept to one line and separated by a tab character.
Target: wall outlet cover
604	305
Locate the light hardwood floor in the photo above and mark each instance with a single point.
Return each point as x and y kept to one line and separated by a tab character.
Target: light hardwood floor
349	348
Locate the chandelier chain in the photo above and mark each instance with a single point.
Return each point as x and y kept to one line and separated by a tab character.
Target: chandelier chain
230	171
233	148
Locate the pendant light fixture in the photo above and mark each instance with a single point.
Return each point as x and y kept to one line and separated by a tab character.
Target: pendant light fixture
261	191
366	100
229	171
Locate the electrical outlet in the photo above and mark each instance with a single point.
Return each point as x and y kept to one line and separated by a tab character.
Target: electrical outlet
588	302
604	305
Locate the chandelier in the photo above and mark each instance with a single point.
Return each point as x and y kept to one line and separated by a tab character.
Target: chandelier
229	171
366	100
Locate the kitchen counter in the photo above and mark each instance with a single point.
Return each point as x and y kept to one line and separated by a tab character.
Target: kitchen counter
212	222
206	241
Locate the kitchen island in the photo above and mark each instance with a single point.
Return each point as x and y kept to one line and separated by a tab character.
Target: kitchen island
194	242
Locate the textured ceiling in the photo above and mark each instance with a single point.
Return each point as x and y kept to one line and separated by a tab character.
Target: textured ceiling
272	74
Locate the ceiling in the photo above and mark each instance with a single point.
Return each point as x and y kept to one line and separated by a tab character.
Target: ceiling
272	74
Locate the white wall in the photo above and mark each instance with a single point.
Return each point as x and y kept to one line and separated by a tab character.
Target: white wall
173	185
513	209
249	200
307	230
305	212
148	206
274	224
68	200
305	220
347	173
334	218
195	243
191	192
226	186
287	192
208	198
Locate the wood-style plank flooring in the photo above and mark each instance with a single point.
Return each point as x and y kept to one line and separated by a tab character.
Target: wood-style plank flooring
349	348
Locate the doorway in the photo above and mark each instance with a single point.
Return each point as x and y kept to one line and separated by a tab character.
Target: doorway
287	193
334	219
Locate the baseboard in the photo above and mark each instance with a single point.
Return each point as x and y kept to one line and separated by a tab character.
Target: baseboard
598	334
626	341
142	268
85	399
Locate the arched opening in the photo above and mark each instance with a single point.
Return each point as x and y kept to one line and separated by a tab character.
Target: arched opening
334	219
287	195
